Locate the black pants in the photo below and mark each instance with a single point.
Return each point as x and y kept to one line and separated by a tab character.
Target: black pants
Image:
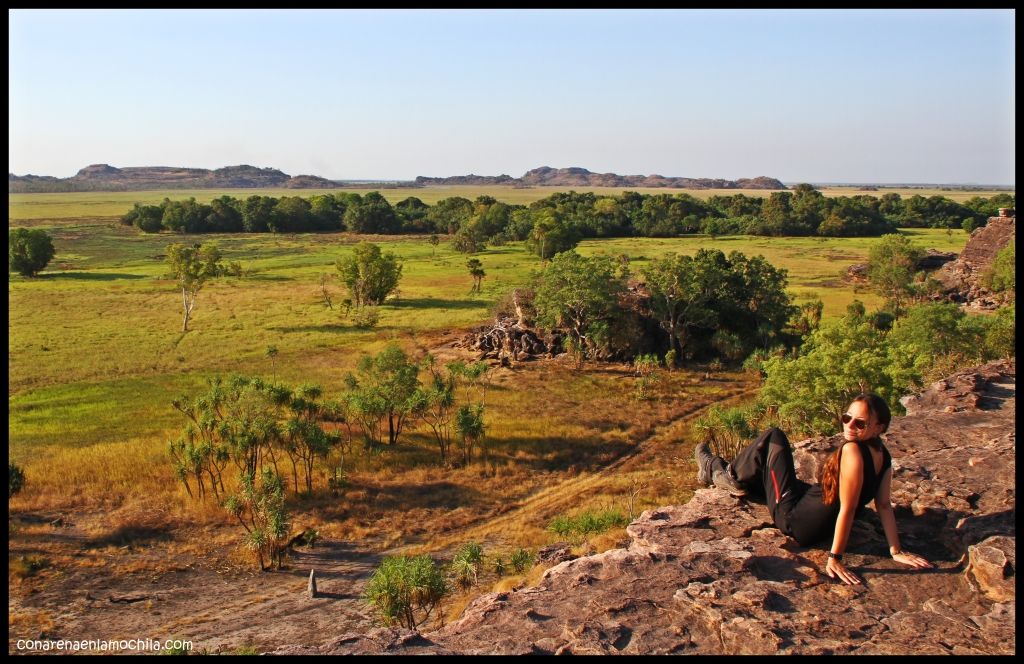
765	467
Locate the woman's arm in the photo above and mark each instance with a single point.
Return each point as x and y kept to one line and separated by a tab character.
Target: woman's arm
883	505
851	478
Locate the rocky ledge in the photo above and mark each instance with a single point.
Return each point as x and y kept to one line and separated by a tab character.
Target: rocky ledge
714	576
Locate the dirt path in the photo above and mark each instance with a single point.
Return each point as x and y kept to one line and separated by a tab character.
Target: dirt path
217	609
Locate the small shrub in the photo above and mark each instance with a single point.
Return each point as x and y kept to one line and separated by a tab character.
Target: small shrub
646	369
465	566
499	566
23	567
521	560
310	537
15	479
587	523
405	590
365	317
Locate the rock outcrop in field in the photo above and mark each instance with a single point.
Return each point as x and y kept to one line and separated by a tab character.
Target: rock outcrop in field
963	279
714	576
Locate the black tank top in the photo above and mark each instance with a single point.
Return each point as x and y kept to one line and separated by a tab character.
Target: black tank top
872	480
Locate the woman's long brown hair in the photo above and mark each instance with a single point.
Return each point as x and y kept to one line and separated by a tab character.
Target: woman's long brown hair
829	478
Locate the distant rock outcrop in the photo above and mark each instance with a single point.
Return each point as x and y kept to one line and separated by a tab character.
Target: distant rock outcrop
545	176
103	177
714	575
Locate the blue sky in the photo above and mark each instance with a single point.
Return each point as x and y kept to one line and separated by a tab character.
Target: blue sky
805	96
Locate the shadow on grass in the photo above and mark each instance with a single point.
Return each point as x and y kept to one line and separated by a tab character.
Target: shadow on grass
131	534
424	495
327	327
559	454
89	276
435	303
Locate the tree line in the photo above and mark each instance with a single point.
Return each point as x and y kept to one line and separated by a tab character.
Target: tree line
802	211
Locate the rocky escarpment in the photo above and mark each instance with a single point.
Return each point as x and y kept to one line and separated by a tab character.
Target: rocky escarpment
545	176
713	576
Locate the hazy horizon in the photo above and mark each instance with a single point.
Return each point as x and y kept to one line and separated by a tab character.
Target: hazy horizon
387	180
820	96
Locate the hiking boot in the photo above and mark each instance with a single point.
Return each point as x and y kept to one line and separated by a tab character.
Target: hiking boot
702	453
724	479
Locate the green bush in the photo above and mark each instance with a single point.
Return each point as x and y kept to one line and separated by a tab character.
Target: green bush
1002	276
406	590
28	251
1001	333
466	564
15	479
589	522
521	560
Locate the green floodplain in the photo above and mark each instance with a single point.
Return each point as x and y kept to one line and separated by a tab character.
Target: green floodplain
96	352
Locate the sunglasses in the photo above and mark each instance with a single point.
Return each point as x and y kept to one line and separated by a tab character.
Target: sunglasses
857	422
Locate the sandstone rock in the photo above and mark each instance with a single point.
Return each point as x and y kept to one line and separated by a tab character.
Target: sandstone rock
993	564
962	279
555	553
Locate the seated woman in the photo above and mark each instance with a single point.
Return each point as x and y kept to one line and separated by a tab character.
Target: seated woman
859	471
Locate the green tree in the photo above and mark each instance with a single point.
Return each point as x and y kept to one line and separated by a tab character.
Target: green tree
28	251
234	421
373	214
933	340
406	590
550	234
192	266
476	270
412	215
838	361
260	509
892	264
436	402
369	274
686	292
256	213
387	388
303	435
271	352
448	215
469	424
580	294
147	218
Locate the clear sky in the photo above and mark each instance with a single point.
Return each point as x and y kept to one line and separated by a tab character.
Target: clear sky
910	96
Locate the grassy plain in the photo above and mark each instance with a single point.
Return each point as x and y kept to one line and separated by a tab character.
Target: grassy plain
95	354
